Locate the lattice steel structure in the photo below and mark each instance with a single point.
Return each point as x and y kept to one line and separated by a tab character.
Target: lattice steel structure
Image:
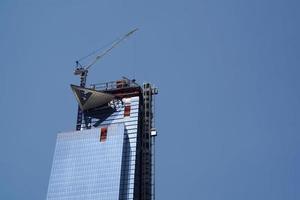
111	154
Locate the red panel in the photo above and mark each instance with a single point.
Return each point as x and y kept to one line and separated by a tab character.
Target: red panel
103	134
127	111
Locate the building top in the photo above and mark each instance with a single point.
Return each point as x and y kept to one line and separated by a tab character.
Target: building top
102	93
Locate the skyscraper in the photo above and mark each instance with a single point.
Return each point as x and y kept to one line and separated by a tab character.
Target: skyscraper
110	156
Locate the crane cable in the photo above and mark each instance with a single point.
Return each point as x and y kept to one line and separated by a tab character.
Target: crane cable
112	45
97	50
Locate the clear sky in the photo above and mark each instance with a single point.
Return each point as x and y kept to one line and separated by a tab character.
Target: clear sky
228	109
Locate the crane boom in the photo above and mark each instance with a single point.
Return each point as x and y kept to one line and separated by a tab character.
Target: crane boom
83	70
110	48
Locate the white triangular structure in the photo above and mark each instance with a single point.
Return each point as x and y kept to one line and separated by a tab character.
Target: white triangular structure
89	98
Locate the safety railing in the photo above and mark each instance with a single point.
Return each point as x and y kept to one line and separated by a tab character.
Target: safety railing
113	85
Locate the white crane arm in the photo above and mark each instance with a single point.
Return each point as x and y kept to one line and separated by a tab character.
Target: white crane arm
110	48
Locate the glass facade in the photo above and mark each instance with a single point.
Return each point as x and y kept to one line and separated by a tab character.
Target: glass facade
85	167
98	163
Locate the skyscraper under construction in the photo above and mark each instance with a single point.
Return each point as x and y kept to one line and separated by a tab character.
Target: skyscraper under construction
110	156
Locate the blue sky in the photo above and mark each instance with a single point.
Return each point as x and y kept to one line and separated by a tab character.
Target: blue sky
228	108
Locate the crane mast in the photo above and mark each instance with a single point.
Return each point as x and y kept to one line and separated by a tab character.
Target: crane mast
82	71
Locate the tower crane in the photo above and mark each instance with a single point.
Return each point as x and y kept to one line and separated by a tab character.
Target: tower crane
82	71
